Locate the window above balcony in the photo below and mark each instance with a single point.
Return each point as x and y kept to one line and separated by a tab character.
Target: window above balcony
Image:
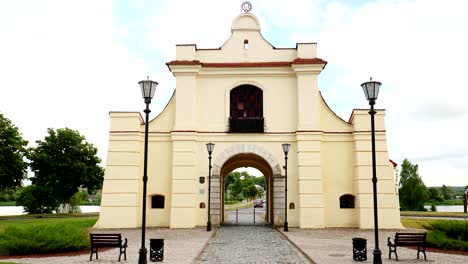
246	110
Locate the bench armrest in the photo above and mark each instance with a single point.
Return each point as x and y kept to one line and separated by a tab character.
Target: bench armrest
125	244
389	242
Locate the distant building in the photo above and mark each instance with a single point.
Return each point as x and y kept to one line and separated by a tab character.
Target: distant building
248	98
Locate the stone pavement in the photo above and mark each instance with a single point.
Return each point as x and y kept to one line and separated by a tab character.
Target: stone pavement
253	245
335	246
250	245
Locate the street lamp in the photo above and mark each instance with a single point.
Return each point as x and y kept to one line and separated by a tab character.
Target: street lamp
209	148
371	90
148	88
286	148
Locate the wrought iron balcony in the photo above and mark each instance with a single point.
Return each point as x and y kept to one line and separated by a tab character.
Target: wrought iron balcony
246	125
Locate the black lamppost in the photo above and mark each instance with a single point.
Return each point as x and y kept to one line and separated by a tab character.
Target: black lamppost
209	148
148	88
286	148
371	90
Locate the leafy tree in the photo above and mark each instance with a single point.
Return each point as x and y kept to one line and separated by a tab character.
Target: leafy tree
241	185
447	192
64	161
261	181
12	150
413	193
434	194
37	200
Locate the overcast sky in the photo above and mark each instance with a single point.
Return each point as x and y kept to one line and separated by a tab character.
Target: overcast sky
68	63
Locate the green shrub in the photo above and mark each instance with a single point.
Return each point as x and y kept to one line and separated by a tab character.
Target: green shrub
448	235
37	200
40	239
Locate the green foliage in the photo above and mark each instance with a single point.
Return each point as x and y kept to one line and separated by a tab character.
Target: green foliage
433	193
447	192
261	181
41	239
451	235
241	185
76	200
37	200
12	150
64	161
413	193
8	195
447	202
433	208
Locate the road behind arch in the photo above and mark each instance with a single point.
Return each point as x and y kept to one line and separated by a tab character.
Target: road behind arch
250	245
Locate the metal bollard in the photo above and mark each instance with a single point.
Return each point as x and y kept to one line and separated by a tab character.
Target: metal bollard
237	215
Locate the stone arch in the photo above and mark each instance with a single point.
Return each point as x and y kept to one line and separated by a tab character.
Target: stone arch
237	154
246	149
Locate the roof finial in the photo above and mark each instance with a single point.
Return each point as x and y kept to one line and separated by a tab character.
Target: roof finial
246	7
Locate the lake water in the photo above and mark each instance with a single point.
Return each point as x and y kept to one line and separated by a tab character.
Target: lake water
446	208
18	210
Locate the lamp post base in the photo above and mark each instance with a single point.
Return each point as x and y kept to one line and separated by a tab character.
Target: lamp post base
286	229
208	226
142	257
377	256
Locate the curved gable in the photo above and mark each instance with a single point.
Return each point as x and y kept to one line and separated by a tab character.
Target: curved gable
330	121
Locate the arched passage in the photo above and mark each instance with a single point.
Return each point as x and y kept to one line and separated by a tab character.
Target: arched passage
247	155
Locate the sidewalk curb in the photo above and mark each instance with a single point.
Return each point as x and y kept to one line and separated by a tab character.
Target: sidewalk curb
296	246
198	257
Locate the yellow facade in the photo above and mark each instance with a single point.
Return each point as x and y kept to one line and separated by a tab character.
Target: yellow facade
329	157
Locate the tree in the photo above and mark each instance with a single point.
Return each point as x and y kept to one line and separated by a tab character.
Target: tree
37	200
12	151
447	192
63	162
413	193
241	185
434	194
261	181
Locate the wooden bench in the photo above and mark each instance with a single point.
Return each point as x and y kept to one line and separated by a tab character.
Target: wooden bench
107	241
407	239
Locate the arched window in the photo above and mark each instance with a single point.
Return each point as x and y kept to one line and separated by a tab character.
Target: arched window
347	201
246	110
157	201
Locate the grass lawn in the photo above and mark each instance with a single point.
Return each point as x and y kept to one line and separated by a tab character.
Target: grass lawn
82	222
420	223
241	205
427	213
23	235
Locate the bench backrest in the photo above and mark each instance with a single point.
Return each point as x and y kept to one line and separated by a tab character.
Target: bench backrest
410	238
106	240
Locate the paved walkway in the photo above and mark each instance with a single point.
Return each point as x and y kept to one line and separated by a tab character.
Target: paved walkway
250	245
245	216
253	245
335	246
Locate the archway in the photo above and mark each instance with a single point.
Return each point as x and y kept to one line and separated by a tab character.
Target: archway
247	155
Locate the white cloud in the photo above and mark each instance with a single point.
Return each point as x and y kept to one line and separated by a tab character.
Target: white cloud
61	67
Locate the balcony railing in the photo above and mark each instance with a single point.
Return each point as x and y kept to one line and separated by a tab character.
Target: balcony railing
246	125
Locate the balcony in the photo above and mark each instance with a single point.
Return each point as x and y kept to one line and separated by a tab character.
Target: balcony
246	125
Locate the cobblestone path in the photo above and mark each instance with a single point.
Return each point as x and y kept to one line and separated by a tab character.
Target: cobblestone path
250	245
